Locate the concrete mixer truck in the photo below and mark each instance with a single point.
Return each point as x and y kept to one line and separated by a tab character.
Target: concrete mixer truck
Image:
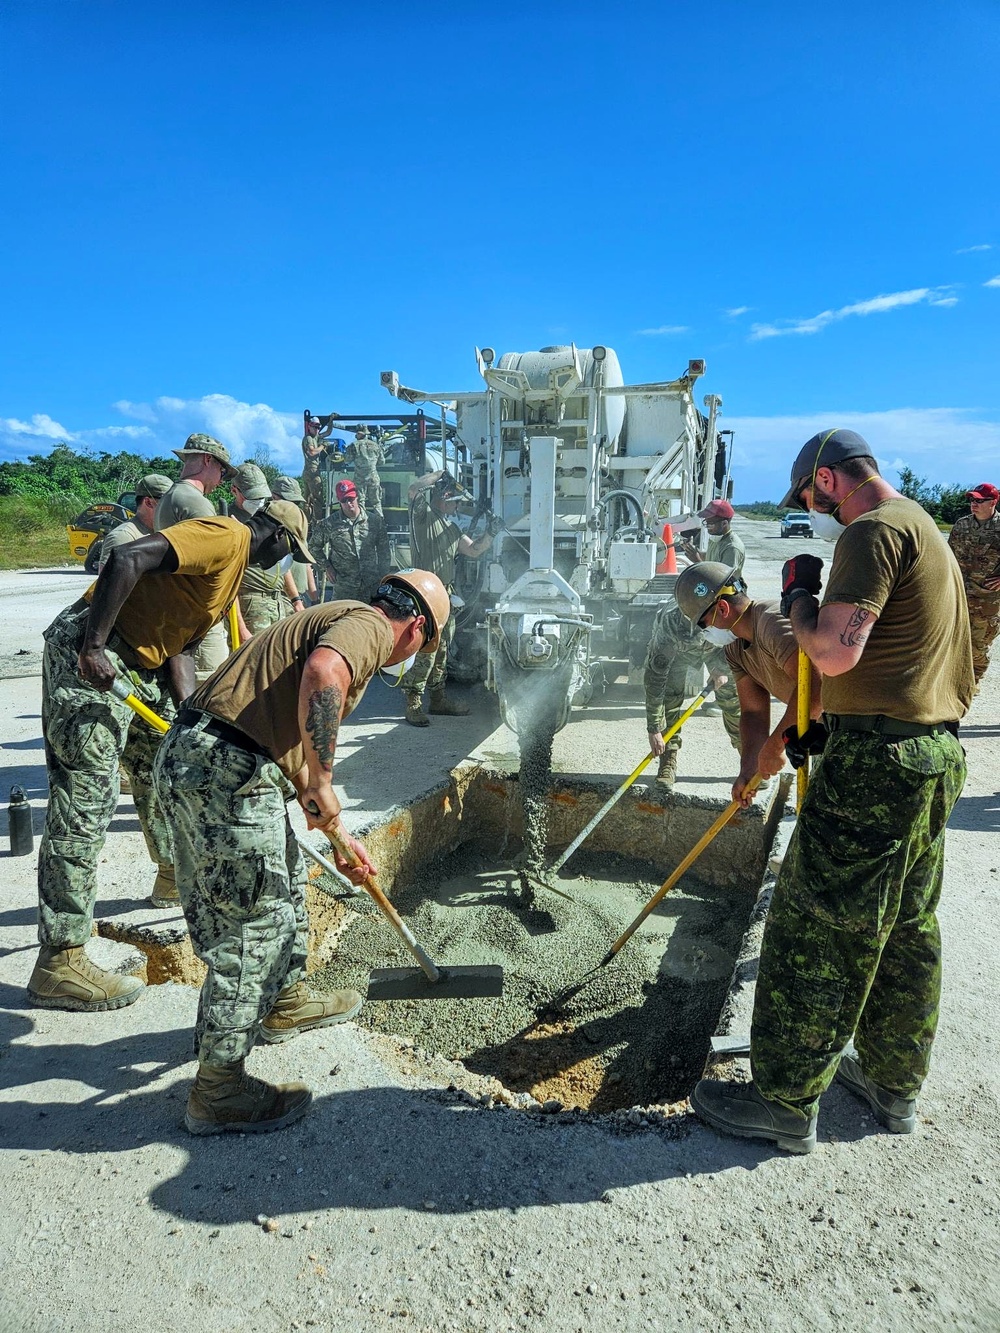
583	470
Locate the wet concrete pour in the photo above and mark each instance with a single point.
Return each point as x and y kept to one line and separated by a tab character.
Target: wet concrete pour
636	1034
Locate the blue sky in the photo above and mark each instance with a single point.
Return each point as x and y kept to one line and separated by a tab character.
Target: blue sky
215	216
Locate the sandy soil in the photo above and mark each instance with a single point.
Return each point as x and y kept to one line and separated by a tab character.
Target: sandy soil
396	1204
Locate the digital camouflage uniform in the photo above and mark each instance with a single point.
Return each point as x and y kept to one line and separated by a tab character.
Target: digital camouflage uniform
87	734
977	549
852	945
312	477
367	453
355	553
247	913
677	645
433	545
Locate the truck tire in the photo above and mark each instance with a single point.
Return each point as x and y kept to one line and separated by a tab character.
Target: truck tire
93	557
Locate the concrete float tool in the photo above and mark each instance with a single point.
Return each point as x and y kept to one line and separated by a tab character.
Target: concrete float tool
545	879
386	983
708	836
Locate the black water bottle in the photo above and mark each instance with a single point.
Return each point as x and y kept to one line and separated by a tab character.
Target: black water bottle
22	840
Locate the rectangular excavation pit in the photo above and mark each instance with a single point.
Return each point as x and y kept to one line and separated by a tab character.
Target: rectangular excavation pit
636	1033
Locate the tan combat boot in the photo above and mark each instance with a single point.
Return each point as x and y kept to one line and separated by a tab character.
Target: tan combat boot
667	770
225	1099
67	979
297	1010
415	714
440	703
165	892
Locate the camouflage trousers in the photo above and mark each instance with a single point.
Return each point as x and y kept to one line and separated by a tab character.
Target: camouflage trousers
851	946
261	609
672	704
87	735
241	880
984	621
370	492
430	670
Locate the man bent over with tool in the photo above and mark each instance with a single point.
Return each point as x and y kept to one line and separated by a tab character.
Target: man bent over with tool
261	729
143	619
762	657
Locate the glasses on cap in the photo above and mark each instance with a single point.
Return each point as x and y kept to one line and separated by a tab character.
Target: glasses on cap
404	601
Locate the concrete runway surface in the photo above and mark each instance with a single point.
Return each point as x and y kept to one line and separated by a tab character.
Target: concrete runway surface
396	1205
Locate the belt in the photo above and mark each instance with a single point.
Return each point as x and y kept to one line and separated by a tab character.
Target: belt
225	731
886	726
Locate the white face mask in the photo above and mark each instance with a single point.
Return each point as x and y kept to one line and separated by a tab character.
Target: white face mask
252	506
393	675
827	526
715	634
285	564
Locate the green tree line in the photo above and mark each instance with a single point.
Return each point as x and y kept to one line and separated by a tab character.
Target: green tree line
89	478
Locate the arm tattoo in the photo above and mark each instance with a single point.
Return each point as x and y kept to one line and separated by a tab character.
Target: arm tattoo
323	722
855	633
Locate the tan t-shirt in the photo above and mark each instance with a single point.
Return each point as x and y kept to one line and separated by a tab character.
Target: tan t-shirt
765	657
257	689
181	502
917	663
165	612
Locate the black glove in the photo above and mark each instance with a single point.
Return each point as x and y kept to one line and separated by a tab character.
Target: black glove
801	574
799	748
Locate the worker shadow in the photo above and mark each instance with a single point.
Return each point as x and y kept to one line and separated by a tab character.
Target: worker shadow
33	781
32	743
977	814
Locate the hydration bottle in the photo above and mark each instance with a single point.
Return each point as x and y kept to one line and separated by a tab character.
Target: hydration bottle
22	840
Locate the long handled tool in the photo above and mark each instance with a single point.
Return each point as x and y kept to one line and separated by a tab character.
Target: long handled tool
387	983
234	628
585	832
685	865
802	725
406	983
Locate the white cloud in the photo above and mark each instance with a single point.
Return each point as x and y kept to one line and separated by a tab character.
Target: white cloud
875	305
944	444
663	330
737	310
973	249
992	282
166	423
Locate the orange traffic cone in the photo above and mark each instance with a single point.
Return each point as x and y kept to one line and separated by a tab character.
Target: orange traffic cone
668	565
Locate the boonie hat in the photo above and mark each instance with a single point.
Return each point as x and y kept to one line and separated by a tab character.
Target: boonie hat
206	444
295	524
153	486
287	488
984	491
346	490
251	483
717	509
826	449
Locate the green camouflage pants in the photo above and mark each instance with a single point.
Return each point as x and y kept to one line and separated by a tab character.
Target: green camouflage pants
430	669
87	735
672	703
851	946
241	879
261	609
370	491
984	621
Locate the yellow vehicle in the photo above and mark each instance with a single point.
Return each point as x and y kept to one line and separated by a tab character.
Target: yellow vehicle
87	531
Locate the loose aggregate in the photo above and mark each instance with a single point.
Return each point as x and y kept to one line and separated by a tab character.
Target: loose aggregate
636	1033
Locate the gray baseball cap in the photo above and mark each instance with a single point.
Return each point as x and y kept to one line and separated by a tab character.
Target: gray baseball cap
287	488
206	444
826	449
251	483
153	486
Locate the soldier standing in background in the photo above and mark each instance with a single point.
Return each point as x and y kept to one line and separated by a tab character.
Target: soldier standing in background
975	540
367	454
677	645
725	547
206	465
266	595
313	452
353	545
304	576
148	493
435	542
851	947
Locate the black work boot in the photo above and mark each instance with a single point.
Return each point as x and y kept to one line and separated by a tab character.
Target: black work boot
738	1108
898	1114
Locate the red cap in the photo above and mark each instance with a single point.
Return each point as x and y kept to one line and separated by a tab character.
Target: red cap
346	490
717	509
984	491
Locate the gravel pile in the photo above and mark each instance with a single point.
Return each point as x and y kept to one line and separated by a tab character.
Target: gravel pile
636	1033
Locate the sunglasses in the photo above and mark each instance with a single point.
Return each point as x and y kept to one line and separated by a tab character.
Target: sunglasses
404	601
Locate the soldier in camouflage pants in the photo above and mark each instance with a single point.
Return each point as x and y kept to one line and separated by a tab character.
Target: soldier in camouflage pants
87	733
852	943
975	540
677	645
247	918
